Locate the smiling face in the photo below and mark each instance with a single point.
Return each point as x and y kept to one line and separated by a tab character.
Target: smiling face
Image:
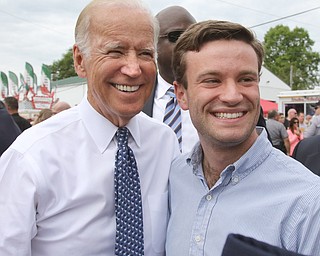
223	93
120	68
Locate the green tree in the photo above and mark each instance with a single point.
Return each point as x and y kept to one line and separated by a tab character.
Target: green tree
64	67
289	55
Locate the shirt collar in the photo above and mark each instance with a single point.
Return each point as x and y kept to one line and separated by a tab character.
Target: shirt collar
162	87
256	154
101	130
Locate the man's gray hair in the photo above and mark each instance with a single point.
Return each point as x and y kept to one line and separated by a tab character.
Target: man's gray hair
82	29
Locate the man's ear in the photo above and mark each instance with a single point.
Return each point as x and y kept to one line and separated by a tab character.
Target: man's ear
78	62
181	95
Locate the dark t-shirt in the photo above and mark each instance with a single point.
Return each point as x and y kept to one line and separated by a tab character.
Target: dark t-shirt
21	122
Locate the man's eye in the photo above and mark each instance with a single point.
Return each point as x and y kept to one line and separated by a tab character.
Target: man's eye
247	79
114	52
147	54
212	81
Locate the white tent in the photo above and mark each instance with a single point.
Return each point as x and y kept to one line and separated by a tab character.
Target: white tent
271	86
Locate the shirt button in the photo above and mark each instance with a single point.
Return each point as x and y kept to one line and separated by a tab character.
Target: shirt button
209	197
235	179
197	238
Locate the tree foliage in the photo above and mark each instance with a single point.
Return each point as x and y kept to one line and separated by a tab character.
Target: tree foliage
289	55
64	67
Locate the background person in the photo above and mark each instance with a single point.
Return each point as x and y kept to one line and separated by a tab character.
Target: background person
314	128
302	124
9	130
294	133
281	118
307	152
60	106
173	21
308	120
290	114
278	133
233	181
44	114
12	106
59	192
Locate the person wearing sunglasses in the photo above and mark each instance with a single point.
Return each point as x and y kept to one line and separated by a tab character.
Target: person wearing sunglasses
294	133
314	128
90	180
173	21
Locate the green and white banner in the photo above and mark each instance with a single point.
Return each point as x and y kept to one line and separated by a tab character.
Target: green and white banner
13	85
3	85
45	84
29	80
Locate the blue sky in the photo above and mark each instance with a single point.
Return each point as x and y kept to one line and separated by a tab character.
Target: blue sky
40	31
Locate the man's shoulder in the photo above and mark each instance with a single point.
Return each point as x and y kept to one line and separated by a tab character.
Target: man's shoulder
50	129
271	123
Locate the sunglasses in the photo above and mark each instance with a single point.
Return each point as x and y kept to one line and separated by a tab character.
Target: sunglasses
295	122
172	36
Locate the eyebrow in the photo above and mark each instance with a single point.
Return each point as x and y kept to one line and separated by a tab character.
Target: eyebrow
112	45
215	73
119	45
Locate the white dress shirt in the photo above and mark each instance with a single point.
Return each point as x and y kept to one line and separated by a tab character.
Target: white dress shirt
189	133
57	185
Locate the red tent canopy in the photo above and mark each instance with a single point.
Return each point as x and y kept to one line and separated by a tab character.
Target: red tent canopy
268	105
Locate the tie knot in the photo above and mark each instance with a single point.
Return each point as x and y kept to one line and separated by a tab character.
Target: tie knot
122	136
170	92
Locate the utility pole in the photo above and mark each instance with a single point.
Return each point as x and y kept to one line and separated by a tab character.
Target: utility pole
291	76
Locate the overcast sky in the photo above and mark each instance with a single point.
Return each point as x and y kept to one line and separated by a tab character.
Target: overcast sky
41	31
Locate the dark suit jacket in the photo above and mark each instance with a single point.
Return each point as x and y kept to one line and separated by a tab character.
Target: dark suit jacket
148	107
238	245
9	130
307	152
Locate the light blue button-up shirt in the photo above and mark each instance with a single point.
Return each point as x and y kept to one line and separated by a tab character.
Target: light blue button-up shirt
265	195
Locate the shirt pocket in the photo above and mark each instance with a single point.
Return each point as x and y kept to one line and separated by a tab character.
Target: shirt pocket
158	205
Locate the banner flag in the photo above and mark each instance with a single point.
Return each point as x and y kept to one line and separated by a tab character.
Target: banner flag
35	83
13	88
45	84
29	80
22	83
3	85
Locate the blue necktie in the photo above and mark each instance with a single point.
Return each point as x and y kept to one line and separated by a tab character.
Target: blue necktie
128	204
172	115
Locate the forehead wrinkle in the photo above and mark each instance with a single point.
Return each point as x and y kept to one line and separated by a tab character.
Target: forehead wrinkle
113	45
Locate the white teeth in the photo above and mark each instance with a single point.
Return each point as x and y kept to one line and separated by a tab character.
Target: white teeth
127	88
229	115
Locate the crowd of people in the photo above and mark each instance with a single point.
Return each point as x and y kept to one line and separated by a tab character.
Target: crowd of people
13	124
291	136
167	154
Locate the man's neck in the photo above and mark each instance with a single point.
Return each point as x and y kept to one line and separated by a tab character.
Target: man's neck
12	112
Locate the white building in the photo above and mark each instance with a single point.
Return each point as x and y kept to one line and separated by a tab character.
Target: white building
271	86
